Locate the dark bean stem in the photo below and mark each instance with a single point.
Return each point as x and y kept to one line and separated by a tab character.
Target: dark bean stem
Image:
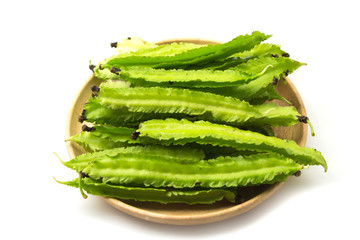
134	135
83	175
305	119
95	88
86	128
275	81
285	55
115	70
91	67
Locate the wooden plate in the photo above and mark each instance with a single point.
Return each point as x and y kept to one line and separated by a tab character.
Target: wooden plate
182	214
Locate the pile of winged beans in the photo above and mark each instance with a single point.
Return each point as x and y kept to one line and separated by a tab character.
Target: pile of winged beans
188	123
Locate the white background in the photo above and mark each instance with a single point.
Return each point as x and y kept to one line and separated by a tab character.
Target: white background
44	52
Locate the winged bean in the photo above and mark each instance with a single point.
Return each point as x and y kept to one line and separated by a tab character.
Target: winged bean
195	56
168	171
258	86
171	131
104	137
161	195
260	50
140	48
204	105
178	153
147	77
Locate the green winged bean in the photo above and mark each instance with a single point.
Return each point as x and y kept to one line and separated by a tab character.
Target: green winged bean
94	112
179	132
99	138
258	86
169	171
206	106
148	77
194	56
178	153
260	50
138	47
102	137
161	195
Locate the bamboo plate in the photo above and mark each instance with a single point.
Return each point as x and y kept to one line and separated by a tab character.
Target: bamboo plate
182	214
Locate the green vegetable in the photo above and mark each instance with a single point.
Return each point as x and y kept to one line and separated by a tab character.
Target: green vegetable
258	86
94	112
141	48
138	47
101	137
162	195
104	137
206	106
137	167
178	153
93	143
166	50
260	50
179	132
195	56
148	77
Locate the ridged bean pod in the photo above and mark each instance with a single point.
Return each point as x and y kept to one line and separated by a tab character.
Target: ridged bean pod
137	167
135	46
255	88
94	112
165	50
99	138
200	55
260	50
149	77
140	48
102	137
178	153
179	132
206	106
161	195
